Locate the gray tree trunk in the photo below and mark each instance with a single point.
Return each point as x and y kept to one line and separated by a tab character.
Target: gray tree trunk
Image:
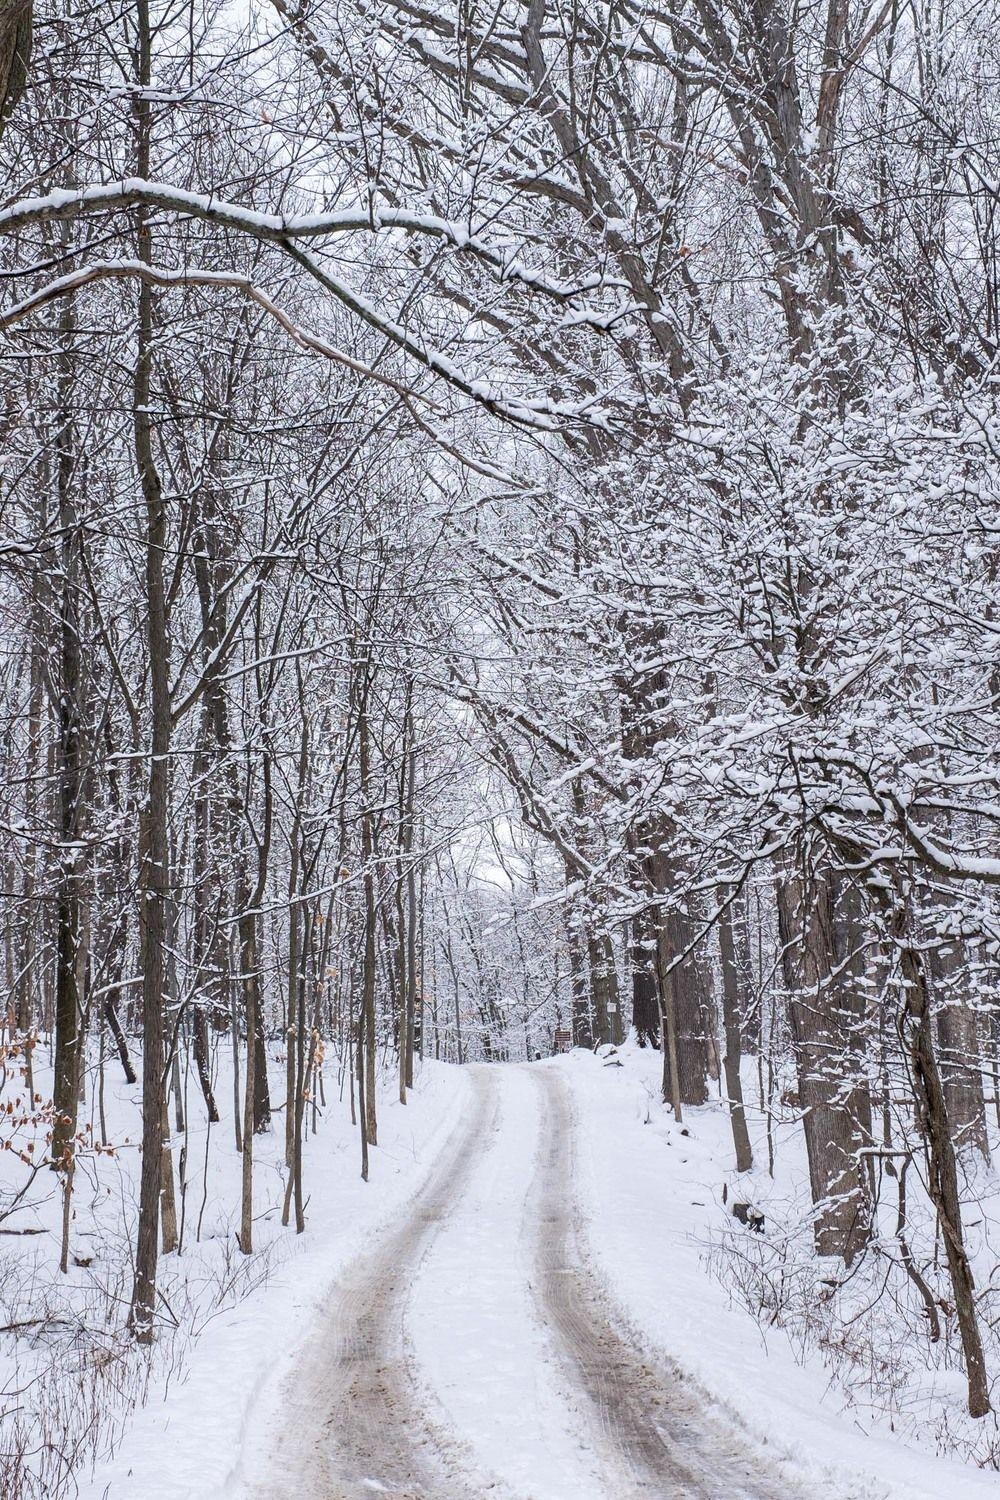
826	1010
732	988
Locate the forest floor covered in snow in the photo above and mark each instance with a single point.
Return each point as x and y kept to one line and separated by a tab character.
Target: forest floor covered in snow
540	1252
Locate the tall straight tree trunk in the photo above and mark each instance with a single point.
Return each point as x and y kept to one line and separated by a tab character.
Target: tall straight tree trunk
684	1000
401	944
410	917
958	1039
751	1019
154	888
826	1009
645	985
672	1089
412	927
297	954
69	895
731	992
26	987
254	1099
605	998
168	1197
291	1011
245	1237
154	874
301	1037
117	901
204	928
367	1052
583	1035
359	1062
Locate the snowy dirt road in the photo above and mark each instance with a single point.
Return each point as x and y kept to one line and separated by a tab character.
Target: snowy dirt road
473	1350
664	1431
352	1424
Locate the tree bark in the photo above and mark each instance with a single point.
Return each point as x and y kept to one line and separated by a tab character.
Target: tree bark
917	1031
731	993
825	1010
685	1000
69	892
604	996
645	987
958	1041
583	1035
154	881
366	1052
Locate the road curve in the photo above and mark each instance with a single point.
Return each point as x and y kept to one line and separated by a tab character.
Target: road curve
352	1426
659	1430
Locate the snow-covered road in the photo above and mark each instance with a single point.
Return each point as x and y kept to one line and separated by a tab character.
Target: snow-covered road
352	1421
664	1434
473	1349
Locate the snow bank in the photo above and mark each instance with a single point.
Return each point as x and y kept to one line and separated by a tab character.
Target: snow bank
652	1197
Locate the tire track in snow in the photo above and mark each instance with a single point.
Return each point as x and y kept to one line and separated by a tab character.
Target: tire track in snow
352	1426
659	1429
491	1368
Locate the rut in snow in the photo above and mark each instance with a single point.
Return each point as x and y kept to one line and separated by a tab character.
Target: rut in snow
657	1428
355	1425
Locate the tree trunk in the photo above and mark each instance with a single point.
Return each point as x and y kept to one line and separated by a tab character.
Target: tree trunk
248	962
645	987
204	929
826	1009
366	1052
605	998
69	895
154	887
917	1030
115	1027
409	834
731	992
958	1040
668	1026
583	1035
685	998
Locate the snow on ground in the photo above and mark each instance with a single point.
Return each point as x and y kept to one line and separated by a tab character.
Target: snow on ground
198	1443
207	1393
474	1330
652	1199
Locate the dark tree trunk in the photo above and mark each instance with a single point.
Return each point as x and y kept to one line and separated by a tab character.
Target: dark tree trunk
826	1011
69	887
115	1027
583	1035
686	998
411	917
367	1038
932	1111
604	994
645	988
959	1045
154	875
205	928
732	988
